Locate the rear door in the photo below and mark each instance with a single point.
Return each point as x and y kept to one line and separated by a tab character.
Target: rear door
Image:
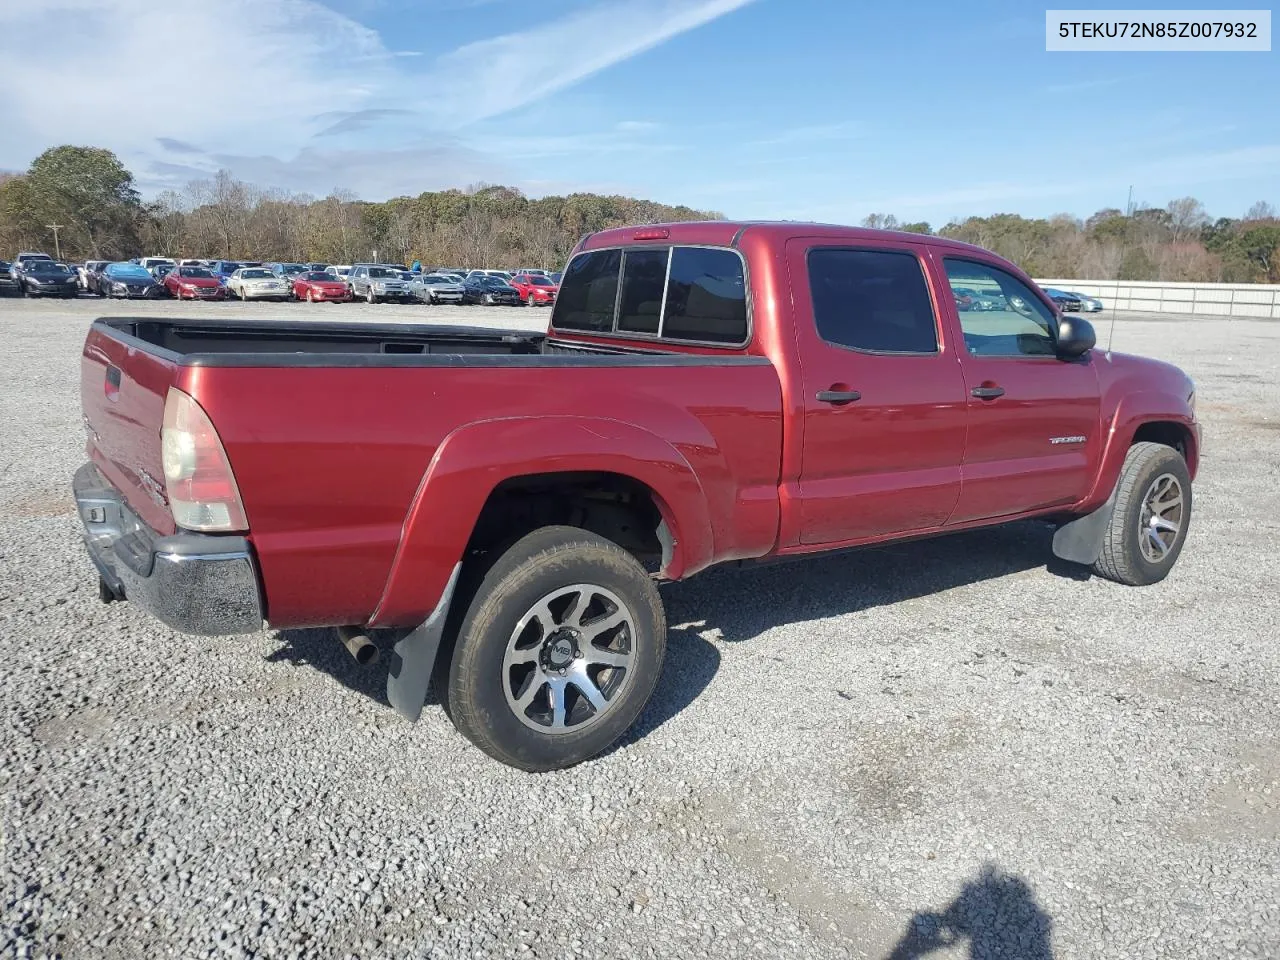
1034	435
883	396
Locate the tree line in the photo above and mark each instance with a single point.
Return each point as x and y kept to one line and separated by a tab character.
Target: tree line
1178	242
90	194
93	199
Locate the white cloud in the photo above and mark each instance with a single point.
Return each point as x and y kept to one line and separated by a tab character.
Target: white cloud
185	88
492	76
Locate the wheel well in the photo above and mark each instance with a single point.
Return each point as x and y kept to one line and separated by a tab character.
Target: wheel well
616	507
1165	432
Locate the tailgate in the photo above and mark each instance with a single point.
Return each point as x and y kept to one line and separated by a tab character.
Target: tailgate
122	394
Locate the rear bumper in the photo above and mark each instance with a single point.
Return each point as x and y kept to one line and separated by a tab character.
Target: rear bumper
193	582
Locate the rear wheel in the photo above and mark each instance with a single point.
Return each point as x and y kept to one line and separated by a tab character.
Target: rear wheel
1151	516
559	651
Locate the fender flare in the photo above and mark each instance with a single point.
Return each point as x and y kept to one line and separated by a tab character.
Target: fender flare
474	459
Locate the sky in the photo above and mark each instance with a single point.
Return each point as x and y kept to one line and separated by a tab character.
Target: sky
759	109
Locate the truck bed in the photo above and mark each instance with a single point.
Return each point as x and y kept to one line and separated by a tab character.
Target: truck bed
333	431
318	343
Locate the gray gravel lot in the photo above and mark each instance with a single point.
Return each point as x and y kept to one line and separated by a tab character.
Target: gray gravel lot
947	748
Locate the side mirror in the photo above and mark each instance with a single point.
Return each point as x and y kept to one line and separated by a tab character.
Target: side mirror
1075	336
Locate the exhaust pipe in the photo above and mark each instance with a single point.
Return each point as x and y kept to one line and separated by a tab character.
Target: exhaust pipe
363	650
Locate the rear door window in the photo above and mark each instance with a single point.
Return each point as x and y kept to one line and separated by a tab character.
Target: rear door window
872	300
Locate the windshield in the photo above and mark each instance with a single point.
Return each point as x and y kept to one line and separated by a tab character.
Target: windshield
128	271
493	281
292	268
383	273
256	274
156	262
539	281
45	266
435	278
228	267
318	275
195	273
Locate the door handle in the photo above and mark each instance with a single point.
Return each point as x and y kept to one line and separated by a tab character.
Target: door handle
838	397
987	393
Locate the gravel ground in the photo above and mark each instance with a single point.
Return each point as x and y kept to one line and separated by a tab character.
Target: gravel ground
948	748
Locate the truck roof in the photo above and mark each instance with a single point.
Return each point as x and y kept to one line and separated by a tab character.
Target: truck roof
729	232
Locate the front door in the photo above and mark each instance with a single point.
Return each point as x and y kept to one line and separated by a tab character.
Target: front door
1034	435
883	396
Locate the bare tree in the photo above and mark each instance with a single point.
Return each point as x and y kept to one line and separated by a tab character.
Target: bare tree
1260	211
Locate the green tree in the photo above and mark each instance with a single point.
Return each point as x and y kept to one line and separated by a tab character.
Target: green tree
90	193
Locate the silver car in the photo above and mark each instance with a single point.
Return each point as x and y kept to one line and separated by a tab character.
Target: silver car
437	288
374	282
1087	304
257	283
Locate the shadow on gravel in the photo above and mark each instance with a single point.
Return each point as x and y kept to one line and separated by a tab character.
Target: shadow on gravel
995	915
743	603
320	649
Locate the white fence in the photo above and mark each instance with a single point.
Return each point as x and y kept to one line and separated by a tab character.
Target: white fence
1256	300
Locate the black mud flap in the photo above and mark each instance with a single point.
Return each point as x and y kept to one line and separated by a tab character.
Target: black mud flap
1080	541
414	657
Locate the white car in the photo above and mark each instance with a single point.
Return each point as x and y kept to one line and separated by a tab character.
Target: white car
257	283
150	263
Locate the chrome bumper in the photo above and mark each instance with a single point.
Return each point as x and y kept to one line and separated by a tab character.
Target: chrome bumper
195	583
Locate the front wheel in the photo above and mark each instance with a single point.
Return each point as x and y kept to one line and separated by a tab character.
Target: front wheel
369	297
1152	513
559	651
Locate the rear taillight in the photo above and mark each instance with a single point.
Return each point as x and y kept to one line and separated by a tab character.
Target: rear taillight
197	475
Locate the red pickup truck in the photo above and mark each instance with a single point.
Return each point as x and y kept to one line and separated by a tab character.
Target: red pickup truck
507	502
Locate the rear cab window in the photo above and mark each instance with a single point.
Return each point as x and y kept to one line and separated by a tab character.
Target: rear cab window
874	301
679	294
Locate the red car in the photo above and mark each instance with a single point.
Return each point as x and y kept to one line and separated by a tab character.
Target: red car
535	289
317	286
194	283
706	394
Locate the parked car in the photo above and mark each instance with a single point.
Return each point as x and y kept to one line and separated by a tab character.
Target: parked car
223	269
46	278
535	289
339	270
374	282
194	283
969	299
556	277
1088	304
7	283
500	274
286	271
127	280
151	263
316	285
162	270
438	288
491	291
257	283
1066	302
723	392
85	273
93	271
317	267
24	258
532	271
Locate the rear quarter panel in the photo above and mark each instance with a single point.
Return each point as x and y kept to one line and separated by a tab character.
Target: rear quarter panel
336	465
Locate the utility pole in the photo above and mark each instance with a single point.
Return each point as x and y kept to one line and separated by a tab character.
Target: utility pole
1128	207
57	247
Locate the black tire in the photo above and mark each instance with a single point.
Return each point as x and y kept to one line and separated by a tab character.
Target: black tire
535	566
1124	558
22	289
369	296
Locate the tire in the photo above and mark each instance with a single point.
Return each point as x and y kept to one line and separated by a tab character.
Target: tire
369	297
1138	547
552	569
530	302
311	298
22	289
